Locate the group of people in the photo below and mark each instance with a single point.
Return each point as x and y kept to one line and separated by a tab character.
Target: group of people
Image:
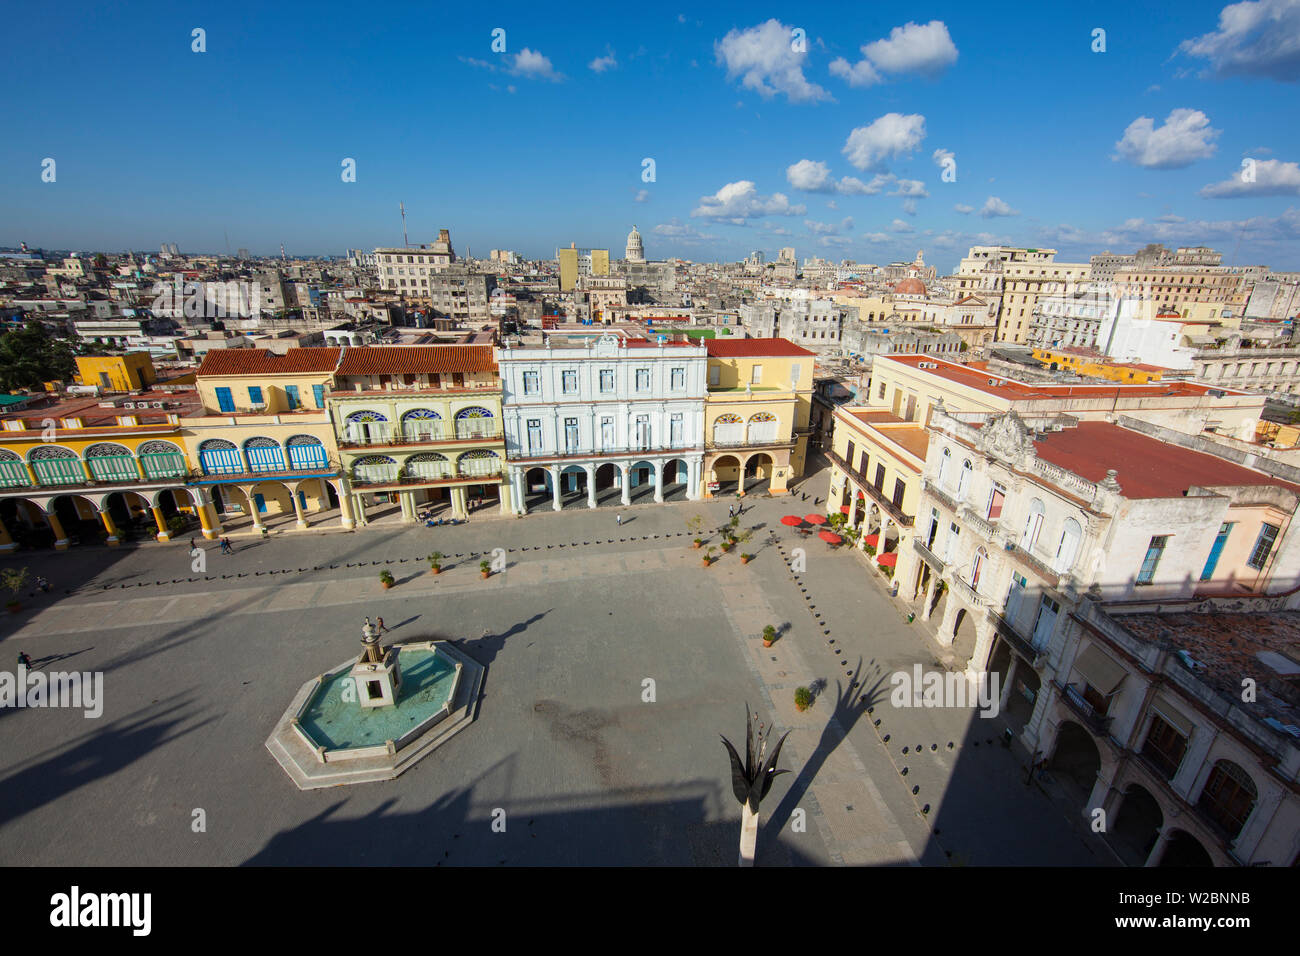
225	546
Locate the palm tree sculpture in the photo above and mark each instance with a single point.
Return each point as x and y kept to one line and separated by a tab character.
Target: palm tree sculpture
751	780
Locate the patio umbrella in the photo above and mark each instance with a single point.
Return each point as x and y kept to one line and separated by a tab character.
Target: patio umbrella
889	559
830	537
872	539
845	509
792	521
815	519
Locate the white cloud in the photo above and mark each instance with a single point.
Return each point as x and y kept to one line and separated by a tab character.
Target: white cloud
909	206
1283	229
899	226
910	187
642	195
1254	38
1185	137
890	135
941	157
993	207
681	231
1272	178
912	48
740	201
533	63
808	175
852	186
964	209
764	59
820	228
603	63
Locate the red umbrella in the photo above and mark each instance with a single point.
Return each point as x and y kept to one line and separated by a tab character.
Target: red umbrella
889	559
830	537
844	509
815	519
872	539
792	521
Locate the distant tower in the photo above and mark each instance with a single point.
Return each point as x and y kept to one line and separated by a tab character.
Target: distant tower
635	252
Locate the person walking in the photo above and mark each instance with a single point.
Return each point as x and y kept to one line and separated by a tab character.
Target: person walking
24	659
731	511
225	546
43	584
618	518
192	544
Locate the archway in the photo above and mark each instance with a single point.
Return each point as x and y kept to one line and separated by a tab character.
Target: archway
641	481
758	474
726	475
80	519
1137	825
1183	849
537	488
573	487
132	515
609	484
677	475
1076	760
1024	694
26	523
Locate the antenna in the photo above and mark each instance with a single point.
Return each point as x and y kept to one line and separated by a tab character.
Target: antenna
402	208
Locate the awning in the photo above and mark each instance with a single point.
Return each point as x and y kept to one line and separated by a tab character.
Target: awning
1099	670
1172	716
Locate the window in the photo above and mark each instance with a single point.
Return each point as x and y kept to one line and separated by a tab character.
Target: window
1015	595
291	396
848	454
678	379
1046	623
880	395
607	432
643	380
1263	546
532	383
1164	746
1216	550
1228	797
643	431
534	436
255	395
1152	560
880	477
756	374
900	489
675	430
318	395
934	528
862	466
569	381
945	459
714	372
996	497
225	401
950	547
570	434
607	380
963	479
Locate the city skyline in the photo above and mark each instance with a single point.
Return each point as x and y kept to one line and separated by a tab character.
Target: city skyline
834	140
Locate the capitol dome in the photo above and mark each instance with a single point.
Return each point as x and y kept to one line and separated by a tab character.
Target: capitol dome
910	287
635	252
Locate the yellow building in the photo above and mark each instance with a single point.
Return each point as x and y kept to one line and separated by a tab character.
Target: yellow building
576	262
1092	365
116	373
877	460
756	415
77	473
419	426
264	446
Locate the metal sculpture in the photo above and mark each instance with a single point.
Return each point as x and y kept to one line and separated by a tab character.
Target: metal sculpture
751	780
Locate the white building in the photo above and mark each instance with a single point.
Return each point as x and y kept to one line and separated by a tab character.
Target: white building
615	421
1132	331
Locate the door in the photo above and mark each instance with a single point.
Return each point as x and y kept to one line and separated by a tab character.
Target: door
1047	611
570	435
1219	541
607	433
643	431
260	503
1015	596
534	436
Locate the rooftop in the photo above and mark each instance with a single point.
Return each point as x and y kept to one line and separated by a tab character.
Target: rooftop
746	348
266	362
1145	466
416	359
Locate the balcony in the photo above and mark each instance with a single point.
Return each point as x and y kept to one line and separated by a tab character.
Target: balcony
394	479
583	451
756	443
1007	631
326	469
938	493
928	556
985	529
1032	562
968	593
896	514
1097	723
430	438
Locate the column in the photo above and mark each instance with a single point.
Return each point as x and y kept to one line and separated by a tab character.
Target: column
139	468
359	506
1162	841
979	658
659	481
591	486
60	536
112	541
161	520
626	478
554	472
929	595
253	512
345	509
297	509
945	635
853	501
504	492
1005	696
693	480
459	504
205	519
7	543
520	502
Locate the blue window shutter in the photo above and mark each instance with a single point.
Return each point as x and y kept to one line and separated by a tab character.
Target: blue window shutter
255	395
291	393
318	393
225	401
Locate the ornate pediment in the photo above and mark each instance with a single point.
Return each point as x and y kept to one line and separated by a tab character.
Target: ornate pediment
607	344
1007	438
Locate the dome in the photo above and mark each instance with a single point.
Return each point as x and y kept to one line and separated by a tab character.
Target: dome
910	287
634	252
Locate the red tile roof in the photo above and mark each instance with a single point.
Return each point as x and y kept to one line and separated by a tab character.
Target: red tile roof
416	359
743	348
1145	466
266	362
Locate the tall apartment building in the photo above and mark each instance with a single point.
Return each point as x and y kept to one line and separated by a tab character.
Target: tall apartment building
1017	277
575	262
812	323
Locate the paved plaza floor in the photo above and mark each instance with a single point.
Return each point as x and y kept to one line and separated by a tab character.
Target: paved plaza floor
614	661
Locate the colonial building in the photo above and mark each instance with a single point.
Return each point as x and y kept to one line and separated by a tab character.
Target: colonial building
420	425
618	419
757	415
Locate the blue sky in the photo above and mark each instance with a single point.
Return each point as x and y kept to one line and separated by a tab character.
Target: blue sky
543	144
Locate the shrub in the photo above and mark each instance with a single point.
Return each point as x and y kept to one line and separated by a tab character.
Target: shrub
769	633
485	566
13	579
435	559
176	524
386	578
803	698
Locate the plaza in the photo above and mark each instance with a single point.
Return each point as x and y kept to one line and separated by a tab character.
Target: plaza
613	661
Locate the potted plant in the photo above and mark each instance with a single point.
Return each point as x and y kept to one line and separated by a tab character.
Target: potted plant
726	545
386	579
803	698
176	526
435	562
13	580
769	635
695	525
485	568
746	558
708	556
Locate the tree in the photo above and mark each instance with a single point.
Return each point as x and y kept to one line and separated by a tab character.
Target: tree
31	356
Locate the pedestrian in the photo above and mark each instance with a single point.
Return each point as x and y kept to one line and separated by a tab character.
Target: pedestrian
731	511
192	544
379	626
225	546
24	659
43	584
619	519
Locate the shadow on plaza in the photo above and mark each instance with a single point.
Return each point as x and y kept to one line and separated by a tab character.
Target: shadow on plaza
99	753
695	823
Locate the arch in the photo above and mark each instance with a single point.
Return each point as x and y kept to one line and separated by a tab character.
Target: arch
365	415
475	421
1183	849
473	411
306	452
50	453
728	429
429	465
762	427
375	468
421	424
725	473
1068	549
1076	758
13	473
56	465
480	461
109	461
107	449
7	455
264	454
1137	825
1228	797
1033	524
945	462
162	459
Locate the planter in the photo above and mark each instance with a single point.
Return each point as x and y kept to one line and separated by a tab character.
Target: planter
744	560
486	574
698	544
767	643
386	585
707	562
435	570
